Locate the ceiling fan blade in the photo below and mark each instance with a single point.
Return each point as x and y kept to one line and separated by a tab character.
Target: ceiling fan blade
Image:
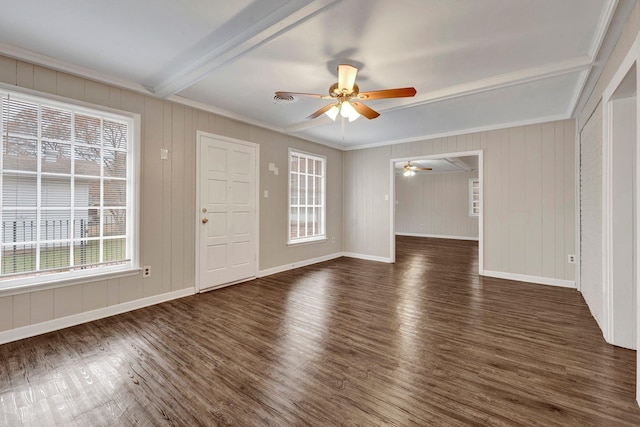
403	92
346	77
411	167
320	111
369	113
309	95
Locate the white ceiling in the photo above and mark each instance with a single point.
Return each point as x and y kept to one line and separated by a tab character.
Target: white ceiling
476	64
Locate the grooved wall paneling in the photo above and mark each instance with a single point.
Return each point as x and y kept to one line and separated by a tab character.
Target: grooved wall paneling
435	204
367	227
529	196
167	197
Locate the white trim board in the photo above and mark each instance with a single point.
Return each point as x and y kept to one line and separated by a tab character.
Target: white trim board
438	236
608	171
89	316
368	257
456	132
578	208
307	262
550	281
293	265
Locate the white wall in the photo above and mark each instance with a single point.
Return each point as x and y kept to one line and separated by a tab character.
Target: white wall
623	201
529	198
167	226
435	204
591	214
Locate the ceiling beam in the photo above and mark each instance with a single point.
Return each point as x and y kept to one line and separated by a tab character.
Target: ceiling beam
613	20
281	20
572	65
459	163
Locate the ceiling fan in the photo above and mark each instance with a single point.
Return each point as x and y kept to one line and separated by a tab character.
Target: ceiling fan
410	169
347	96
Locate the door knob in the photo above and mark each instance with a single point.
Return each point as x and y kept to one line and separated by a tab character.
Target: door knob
205	220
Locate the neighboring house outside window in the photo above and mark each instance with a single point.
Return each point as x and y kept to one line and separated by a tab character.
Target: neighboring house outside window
67	191
474	197
306	197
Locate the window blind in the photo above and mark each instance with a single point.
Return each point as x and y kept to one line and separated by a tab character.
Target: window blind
65	175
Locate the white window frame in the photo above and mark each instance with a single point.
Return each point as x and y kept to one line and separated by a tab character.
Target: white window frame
44	280
474	206
323	206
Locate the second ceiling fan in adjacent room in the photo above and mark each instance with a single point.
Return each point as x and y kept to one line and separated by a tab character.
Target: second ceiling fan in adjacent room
410	169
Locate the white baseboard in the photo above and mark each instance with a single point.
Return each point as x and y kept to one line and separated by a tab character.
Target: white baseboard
89	316
438	236
531	279
281	268
368	257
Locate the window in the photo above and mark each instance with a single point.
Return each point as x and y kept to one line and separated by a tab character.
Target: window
474	197
306	197
67	191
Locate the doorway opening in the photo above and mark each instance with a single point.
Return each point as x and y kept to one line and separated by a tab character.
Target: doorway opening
444	202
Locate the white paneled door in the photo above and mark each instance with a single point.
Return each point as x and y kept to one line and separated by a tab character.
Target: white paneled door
227	218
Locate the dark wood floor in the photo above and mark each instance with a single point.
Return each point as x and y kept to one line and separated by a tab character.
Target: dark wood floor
347	342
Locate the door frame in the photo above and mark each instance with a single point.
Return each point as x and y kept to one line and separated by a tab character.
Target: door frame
392	201
607	189
632	57
199	135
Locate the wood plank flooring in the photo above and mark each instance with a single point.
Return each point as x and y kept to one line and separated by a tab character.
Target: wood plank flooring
425	341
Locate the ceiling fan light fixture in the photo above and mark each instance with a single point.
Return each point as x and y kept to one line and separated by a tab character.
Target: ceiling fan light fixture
347	111
409	172
333	112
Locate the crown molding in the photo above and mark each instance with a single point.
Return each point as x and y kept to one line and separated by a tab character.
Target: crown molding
577	92
515	78
606	19
613	19
58	65
466	131
222	112
608	10
242	119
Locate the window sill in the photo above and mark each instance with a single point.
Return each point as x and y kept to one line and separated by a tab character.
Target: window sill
308	242
61	283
